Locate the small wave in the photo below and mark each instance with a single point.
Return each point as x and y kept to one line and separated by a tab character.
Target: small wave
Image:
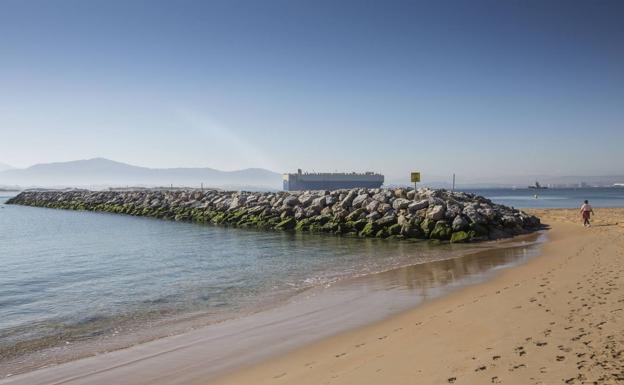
527	198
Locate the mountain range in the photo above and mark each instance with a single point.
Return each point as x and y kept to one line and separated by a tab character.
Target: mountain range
100	172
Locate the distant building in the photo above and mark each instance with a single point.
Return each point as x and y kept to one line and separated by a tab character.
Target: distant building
331	181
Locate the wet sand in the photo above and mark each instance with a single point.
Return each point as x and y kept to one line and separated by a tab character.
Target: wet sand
557	319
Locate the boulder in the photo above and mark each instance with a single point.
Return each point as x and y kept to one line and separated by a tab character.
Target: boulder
459	223
394	229
400	203
291	201
372	206
384	208
441	231
318	202
358	200
460	237
373	216
286	224
355	214
348	200
369	230
386	220
426	226
415	206
436	213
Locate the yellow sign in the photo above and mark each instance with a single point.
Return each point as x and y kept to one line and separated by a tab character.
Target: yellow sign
415	177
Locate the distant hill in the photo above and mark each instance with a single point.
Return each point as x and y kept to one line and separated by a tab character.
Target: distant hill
104	172
4	167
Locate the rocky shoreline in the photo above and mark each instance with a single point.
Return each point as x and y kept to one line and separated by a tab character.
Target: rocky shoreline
381	213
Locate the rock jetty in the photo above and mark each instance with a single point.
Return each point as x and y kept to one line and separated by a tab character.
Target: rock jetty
381	213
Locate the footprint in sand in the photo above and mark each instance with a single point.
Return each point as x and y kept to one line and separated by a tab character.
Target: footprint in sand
520	350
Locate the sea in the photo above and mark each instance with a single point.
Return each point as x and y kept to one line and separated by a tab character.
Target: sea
102	281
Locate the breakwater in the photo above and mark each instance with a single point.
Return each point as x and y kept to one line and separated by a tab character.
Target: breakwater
382	213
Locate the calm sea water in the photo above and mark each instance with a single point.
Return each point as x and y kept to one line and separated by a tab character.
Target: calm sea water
555	198
69	276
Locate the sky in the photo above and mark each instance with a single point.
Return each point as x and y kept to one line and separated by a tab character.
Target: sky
479	88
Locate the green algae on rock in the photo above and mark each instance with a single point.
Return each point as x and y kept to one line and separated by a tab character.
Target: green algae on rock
383	213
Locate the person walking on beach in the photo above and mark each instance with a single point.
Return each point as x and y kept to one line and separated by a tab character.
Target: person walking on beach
586	211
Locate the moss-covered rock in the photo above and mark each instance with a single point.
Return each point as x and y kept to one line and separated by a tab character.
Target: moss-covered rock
369	230
441	231
303	224
331	227
427	226
479	230
460	237
383	233
286	224
395	229
329	212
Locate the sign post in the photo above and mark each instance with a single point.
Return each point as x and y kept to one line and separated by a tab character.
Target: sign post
415	179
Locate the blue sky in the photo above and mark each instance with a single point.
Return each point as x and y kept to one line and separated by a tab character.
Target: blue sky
480	88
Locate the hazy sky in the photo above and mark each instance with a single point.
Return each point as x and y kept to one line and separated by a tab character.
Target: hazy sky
481	88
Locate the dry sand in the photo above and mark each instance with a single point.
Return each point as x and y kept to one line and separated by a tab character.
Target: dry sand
554	320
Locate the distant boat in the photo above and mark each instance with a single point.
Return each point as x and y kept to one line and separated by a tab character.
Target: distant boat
538	186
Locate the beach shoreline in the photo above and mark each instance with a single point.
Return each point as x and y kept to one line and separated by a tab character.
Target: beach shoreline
555	319
477	262
322	364
336	308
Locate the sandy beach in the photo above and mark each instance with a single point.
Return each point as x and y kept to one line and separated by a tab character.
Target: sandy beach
556	319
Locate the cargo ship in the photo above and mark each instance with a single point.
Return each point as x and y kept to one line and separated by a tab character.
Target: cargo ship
538	186
331	181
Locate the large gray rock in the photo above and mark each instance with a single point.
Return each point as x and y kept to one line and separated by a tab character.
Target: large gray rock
384	208
348	200
436	213
459	223
387	220
291	201
355	214
474	216
358	200
306	200
400	203
319	202
372	206
373	216
415	206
